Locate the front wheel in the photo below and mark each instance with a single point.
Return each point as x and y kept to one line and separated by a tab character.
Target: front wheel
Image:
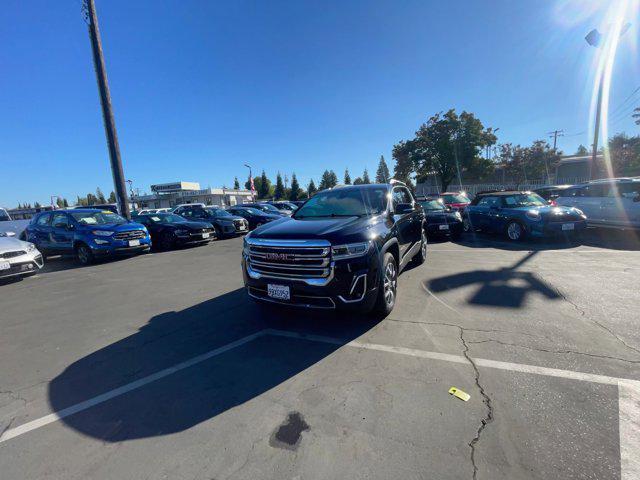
84	254
515	231
387	286
466	225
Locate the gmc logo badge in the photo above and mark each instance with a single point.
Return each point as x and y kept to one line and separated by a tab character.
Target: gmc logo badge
279	256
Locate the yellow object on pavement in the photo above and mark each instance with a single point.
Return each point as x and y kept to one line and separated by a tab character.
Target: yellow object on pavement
456	392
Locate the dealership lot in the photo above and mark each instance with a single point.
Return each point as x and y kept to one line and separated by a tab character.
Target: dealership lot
159	367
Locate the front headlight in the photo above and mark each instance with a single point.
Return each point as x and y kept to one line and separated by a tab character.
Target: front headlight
30	247
350	250
534	215
458	216
102	233
578	211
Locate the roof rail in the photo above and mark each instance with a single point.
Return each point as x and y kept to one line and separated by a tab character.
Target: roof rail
393	181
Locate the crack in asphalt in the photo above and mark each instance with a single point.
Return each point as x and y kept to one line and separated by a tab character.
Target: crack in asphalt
593	320
575	352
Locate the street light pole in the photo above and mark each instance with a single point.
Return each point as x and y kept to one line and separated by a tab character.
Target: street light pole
596	129
107	110
250	181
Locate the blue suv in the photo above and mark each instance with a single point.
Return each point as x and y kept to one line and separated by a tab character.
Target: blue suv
521	214
87	233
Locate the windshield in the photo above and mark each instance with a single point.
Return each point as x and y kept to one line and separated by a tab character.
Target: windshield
218	212
524	200
432	205
455	198
266	207
345	202
165	218
104	217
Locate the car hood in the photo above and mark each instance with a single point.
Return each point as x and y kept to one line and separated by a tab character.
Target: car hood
115	227
438	215
188	225
10	244
547	210
317	228
231	218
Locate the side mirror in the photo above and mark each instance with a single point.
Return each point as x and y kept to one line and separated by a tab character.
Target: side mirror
403	208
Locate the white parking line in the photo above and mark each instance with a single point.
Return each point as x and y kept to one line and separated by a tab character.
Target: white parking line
628	389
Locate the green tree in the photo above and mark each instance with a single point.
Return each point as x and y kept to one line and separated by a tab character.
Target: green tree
450	144
37	205
295	188
91	199
112	197
264	189
329	180
365	177
236	184
382	173
100	196
279	192
59	202
524	164
347	177
582	151
404	166
311	189
636	115
624	153
358	181
65	204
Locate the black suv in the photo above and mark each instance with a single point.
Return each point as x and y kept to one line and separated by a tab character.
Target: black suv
225	224
344	248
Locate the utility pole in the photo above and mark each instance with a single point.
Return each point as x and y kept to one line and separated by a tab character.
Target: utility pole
91	17
555	134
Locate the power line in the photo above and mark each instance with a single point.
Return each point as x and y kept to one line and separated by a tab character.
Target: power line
555	134
625	101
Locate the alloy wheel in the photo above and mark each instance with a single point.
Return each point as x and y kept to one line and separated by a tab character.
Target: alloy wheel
390	283
514	231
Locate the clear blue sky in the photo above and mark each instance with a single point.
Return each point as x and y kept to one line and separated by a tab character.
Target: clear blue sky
201	87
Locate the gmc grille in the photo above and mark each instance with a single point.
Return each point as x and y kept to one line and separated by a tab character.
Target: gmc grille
290	259
132	235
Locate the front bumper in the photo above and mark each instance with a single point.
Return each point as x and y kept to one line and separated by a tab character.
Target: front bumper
23	265
118	247
435	229
351	285
549	229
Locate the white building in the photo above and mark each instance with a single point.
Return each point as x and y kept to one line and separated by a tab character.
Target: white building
176	193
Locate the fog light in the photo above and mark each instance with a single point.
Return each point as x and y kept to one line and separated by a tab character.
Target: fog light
101	242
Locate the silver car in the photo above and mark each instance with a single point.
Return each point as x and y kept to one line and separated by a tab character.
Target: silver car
18	258
613	202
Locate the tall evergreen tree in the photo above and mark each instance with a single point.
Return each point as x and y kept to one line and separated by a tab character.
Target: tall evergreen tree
279	193
65	204
112	197
37	205
333	178
365	177
382	174
295	188
236	184
347	177
325	181
264	190
311	189
100	196
358	181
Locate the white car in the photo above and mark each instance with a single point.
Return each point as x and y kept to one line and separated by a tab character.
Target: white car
18	258
611	202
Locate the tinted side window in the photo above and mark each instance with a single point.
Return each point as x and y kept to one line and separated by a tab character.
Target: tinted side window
488	201
60	220
596	190
43	219
625	190
401	195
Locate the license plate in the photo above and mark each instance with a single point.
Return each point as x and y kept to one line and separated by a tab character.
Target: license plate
134	243
206	235
444	227
279	292
568	226
5	265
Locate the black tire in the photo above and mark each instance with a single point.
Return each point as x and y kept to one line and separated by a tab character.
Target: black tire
218	232
84	255
421	256
466	225
387	286
167	242
515	231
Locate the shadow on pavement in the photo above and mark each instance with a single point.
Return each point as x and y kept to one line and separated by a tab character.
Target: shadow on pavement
202	391
615	239
504	288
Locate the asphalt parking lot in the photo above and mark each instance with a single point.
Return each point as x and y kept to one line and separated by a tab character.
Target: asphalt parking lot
160	367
